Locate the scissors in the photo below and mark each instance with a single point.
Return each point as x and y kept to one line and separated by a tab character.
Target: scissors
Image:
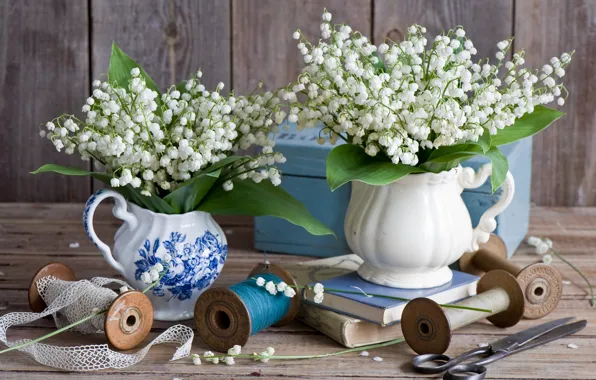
475	370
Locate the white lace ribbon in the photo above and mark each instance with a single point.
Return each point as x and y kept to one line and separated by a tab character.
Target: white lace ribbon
69	302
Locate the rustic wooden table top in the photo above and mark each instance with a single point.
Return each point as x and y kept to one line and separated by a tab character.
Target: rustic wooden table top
34	234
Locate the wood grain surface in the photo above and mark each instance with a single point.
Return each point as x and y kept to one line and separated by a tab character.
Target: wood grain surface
564	157
263	47
486	21
572	231
51	50
44	72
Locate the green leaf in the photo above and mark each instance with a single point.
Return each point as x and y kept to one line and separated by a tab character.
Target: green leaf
67	170
380	65
484	141
349	162
188	195
437	167
153	203
261	199
527	125
222	163
181	87
500	167
119	72
448	157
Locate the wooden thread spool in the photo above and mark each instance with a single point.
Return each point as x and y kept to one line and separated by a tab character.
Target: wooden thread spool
223	319
427	327
542	284
128	320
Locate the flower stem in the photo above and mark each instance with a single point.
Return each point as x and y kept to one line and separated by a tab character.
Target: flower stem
405	299
53	332
579	272
317	356
74	324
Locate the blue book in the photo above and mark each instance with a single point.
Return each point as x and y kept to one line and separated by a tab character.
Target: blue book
385	311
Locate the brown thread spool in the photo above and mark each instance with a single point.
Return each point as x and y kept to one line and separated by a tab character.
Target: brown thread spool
541	283
427	327
128	320
222	319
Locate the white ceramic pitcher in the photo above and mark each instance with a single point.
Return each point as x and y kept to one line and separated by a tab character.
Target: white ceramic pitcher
195	243
409	231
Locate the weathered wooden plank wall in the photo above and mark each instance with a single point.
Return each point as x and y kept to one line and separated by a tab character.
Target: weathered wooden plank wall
50	50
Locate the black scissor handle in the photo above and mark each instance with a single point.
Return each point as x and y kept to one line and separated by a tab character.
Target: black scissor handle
437	363
465	372
440	363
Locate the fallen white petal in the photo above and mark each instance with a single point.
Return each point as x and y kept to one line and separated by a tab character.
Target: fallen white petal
572	346
364	353
74	245
566	282
378	359
482	344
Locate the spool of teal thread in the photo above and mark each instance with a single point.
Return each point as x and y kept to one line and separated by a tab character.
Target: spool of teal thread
228	316
264	309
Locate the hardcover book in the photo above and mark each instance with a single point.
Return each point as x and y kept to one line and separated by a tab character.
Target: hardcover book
381	310
348	331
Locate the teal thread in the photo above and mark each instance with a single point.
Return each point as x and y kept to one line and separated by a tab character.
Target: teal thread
264	309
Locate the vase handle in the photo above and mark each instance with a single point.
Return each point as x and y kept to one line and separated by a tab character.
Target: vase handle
468	179
120	211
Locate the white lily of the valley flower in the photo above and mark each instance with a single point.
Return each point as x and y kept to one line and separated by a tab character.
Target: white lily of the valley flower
152	147
236	350
318	298
281	286
547	259
289	292
271	288
401	98
264	357
260	281
196	359
318	288
146	278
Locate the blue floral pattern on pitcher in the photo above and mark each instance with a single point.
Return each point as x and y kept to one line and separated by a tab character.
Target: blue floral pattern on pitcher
86	212
193	265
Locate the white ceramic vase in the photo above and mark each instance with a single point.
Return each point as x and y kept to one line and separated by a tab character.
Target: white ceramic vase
195	243
409	232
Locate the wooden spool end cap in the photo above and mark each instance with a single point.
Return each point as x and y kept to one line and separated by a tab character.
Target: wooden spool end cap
495	245
128	320
58	270
502	279
222	319
542	285
285	276
425	327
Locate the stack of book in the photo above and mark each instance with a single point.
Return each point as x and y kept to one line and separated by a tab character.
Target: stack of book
354	318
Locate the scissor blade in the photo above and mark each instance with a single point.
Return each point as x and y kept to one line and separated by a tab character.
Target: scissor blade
559	332
527	335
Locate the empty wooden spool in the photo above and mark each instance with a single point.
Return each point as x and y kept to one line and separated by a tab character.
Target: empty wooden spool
541	283
128	320
427	327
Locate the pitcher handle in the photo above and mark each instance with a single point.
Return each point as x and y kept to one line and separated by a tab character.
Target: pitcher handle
468	179
120	211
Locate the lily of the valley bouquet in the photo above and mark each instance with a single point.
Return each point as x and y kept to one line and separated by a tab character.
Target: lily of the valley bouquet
418	106
177	152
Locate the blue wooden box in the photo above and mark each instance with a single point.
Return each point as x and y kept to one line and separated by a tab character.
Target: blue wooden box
304	178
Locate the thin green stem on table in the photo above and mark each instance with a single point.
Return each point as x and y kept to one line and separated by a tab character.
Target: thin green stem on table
333	290
74	324
592	303
405	299
317	356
